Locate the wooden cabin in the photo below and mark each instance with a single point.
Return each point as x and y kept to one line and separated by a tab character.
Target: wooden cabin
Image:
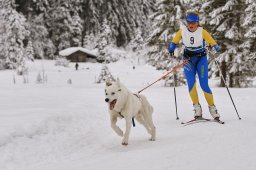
78	54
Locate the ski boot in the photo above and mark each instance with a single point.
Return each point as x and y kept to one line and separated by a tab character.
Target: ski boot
214	112
198	111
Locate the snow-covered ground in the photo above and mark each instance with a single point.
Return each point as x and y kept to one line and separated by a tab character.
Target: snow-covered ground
61	126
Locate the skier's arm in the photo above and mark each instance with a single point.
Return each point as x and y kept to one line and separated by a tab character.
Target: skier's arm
176	39
208	38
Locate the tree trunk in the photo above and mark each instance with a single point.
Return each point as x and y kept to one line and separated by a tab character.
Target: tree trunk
237	81
231	77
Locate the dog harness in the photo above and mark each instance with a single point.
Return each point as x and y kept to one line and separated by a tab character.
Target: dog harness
133	122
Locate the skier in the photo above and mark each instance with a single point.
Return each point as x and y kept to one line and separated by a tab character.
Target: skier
193	37
76	66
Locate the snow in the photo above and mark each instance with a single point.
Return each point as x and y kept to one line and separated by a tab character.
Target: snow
64	126
71	50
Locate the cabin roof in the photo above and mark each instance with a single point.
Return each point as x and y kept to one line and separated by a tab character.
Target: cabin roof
71	50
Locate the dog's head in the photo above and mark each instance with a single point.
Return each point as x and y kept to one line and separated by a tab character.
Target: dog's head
112	92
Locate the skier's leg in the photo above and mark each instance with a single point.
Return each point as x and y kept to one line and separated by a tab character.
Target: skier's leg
202	69
190	72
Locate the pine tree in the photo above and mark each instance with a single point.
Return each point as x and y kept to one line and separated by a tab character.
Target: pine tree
2	31
36	13
30	51
137	42
76	29
102	43
249	44
105	39
90	41
205	11
55	25
105	75
250	28
42	44
124	17
102	51
226	19
167	20
64	23
13	36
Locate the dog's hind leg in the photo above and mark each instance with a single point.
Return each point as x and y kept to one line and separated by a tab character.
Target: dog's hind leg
152	127
113	121
141	120
147	115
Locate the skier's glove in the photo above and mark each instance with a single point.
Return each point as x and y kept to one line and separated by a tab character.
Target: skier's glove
172	47
216	49
171	54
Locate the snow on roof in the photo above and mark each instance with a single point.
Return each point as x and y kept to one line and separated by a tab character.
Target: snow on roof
71	50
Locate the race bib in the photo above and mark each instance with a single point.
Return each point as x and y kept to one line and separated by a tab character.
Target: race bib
192	39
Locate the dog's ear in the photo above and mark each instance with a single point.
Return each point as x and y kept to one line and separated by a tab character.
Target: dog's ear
108	83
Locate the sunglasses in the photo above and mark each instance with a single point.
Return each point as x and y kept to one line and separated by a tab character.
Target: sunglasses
192	23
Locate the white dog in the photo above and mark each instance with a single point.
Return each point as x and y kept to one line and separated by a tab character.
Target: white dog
124	104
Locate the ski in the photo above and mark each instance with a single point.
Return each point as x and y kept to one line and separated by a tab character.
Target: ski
201	119
216	120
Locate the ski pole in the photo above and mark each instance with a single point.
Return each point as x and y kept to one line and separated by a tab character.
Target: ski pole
174	83
221	75
163	77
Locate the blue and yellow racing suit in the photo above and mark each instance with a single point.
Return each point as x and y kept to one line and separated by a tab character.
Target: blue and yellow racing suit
195	49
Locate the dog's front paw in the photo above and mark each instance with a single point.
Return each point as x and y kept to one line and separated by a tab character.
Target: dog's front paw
124	142
152	139
153	134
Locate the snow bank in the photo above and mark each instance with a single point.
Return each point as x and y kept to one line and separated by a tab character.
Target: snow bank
64	126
